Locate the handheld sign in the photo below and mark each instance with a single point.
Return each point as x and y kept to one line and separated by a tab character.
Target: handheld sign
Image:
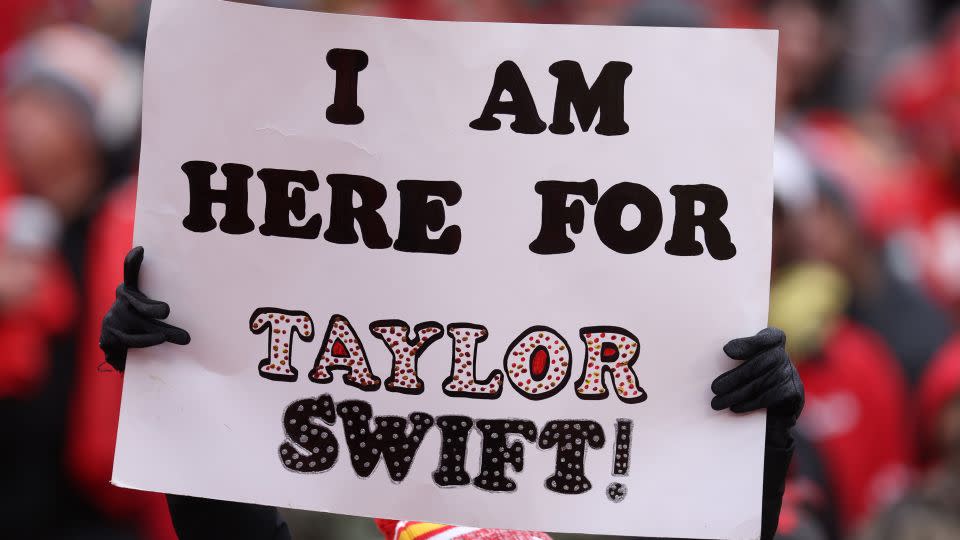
477	274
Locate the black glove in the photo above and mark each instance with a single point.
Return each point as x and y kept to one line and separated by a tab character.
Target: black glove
133	319
766	380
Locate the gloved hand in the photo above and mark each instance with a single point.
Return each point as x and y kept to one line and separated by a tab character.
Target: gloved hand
133	319
766	380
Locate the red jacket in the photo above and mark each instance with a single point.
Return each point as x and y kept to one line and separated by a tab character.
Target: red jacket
857	415
940	384
97	392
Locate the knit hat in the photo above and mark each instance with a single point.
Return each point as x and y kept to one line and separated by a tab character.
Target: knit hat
101	78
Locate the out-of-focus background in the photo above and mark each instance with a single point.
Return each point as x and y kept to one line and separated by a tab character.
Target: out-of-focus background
866	262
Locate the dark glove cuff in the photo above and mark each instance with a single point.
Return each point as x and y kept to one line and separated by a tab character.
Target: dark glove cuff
775	466
202	519
778	432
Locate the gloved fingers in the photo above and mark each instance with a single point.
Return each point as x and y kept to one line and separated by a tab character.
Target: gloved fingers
747	347
138	340
131	267
751	369
770	398
143	305
747	392
172	334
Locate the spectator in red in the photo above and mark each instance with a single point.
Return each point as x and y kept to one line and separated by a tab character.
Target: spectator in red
857	405
900	312
71	101
931	510
924	213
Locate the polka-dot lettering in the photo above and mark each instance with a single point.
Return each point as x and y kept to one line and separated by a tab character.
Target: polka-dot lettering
621	452
616	492
283	324
496	453
371	438
571	437
455	431
406	352
309	446
612	349
538	363
462	381
343	350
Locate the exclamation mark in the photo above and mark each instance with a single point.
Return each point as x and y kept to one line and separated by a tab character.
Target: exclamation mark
616	491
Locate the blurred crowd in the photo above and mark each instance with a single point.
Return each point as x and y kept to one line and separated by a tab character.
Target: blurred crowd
866	262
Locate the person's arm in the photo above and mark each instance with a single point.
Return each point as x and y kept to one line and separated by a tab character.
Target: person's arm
203	519
133	322
766	380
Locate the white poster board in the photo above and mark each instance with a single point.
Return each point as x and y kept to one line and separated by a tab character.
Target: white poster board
470	232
